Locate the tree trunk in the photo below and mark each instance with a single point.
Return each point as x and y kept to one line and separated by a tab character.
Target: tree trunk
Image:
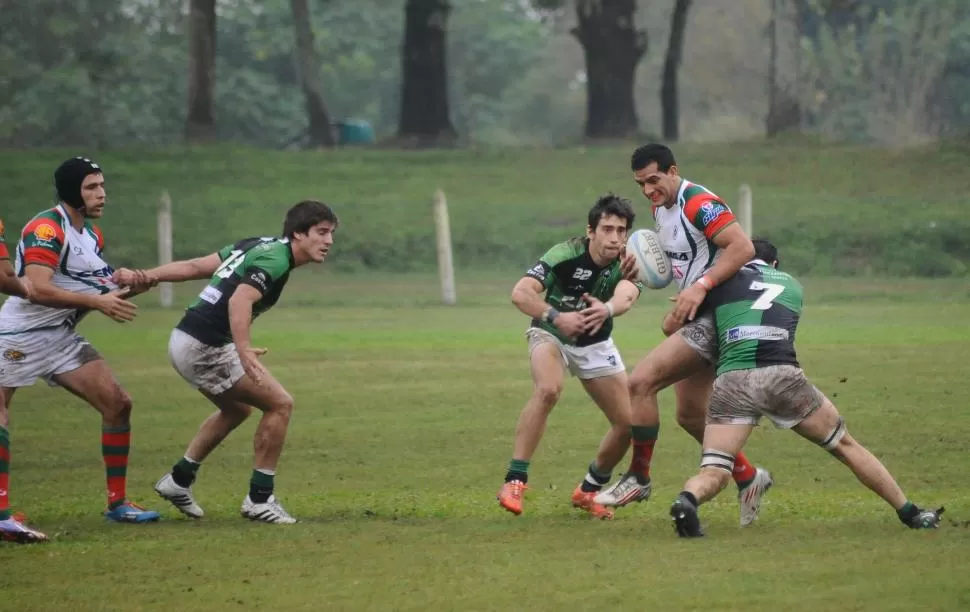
613	47
424	119
669	102
784	108
200	123
321	134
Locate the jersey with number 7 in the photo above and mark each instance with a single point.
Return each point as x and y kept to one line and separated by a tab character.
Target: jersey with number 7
756	313
263	263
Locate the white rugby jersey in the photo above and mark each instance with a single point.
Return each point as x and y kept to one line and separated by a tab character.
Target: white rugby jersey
76	258
687	231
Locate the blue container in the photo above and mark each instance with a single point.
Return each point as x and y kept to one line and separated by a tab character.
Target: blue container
355	131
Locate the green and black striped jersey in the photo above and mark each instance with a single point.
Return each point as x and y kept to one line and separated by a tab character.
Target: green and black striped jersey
756	312
567	271
263	263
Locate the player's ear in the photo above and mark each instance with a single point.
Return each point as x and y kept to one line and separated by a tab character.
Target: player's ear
674	170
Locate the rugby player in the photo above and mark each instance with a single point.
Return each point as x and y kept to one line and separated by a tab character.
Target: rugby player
61	255
572	294
706	246
756	315
211	349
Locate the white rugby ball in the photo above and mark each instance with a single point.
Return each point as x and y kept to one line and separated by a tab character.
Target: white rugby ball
653	265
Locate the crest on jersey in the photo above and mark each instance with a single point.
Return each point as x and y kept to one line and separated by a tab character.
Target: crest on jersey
45	232
14	355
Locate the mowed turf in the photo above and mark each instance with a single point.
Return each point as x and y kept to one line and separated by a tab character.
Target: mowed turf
405	411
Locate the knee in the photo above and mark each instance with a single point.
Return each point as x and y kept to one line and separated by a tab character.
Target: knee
284	406
645	381
547	394
119	408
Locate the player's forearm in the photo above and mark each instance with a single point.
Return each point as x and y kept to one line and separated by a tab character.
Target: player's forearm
735	255
179	271
623	300
10	284
529	303
47	294
240	320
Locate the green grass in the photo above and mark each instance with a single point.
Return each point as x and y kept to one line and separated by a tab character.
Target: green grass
836	210
403	427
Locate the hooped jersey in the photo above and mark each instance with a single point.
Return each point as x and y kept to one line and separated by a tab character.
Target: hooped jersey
263	263
687	230
4	253
75	256
567	271
756	312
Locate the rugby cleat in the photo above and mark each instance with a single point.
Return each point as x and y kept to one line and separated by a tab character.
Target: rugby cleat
15	529
586	501
926	519
686	522
749	498
626	490
510	496
268	512
179	496
130	512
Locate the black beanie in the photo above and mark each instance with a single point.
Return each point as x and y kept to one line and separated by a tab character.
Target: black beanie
68	178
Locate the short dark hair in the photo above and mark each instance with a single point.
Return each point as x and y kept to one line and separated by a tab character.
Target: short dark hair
765	251
304	215
653	152
611	204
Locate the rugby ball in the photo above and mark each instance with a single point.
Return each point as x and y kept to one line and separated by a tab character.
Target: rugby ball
653	265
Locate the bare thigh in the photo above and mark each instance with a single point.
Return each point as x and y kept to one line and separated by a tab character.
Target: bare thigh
612	395
670	361
268	395
95	383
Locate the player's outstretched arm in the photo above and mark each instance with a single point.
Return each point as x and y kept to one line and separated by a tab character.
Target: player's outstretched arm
175	272
9	283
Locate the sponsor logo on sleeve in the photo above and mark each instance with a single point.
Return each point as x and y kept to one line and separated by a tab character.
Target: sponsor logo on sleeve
711	211
45	232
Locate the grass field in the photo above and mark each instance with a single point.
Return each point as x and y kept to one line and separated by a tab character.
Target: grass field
836	209
405	412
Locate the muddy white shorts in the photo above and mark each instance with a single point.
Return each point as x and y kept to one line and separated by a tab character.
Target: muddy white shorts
45	353
584	362
213	369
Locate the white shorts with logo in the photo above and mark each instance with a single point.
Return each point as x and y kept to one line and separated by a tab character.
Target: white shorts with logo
584	362
43	354
213	369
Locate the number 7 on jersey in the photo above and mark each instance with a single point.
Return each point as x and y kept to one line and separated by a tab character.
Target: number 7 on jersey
766	300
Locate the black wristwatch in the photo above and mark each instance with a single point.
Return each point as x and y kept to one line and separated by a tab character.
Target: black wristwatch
549	316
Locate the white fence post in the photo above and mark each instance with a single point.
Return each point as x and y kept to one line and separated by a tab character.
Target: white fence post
744	209
446	269
165	245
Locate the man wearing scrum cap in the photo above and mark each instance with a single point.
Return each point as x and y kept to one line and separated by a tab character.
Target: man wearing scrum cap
706	247
60	253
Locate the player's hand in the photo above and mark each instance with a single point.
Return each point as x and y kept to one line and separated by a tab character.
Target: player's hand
133	278
688	301
251	364
595	315
669	327
628	265
115	306
571	323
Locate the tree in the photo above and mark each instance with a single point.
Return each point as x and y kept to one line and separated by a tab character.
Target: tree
784	108
200	123
668	91
424	119
321	134
613	47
